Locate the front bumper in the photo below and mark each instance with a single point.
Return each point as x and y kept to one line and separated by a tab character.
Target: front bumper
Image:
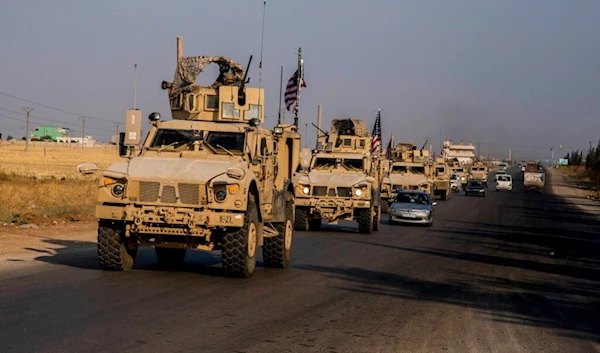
478	193
332	208
410	217
169	220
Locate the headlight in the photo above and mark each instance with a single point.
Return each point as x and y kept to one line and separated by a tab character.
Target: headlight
462	178
220	195
118	190
306	190
357	192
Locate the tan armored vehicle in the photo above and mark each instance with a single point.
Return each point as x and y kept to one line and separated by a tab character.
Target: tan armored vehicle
210	179
460	171
407	170
439	175
479	171
341	180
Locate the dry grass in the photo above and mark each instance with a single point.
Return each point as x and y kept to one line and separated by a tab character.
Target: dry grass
43	186
53	160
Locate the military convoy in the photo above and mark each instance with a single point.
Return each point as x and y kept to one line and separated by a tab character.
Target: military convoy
408	169
210	179
340	179
439	175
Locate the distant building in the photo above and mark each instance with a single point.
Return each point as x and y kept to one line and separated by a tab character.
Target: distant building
465	154
68	139
49	131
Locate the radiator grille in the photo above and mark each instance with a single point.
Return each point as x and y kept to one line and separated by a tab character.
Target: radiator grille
149	191
168	194
189	193
319	190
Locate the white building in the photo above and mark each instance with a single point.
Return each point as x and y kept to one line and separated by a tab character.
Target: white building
67	139
465	154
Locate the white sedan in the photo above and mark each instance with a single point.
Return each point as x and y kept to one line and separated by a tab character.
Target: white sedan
504	182
499	173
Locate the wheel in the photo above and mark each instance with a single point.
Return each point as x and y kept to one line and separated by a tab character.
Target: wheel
115	251
301	219
314	224
430	224
239	245
377	218
385	207
497	190
277	250
169	256
444	196
365	220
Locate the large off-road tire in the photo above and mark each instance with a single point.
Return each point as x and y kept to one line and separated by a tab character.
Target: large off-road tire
314	224
277	250
115	251
239	245
385	207
169	256
377	218
301	219
444	196
365	220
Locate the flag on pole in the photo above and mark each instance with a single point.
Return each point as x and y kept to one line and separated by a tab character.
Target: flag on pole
388	150
291	90
376	146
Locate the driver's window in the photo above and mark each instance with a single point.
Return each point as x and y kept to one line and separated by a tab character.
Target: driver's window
263	146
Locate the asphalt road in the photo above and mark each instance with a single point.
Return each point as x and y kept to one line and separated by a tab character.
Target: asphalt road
511	272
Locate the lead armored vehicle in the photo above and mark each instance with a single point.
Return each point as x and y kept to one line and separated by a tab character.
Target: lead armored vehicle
341	180
210	179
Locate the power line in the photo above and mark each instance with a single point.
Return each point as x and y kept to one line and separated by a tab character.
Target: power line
54	121
49	107
22	127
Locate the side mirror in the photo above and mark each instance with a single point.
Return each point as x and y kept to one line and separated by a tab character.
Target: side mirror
87	168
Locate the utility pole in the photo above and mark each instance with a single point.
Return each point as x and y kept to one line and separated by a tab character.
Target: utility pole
83	131
118	124
22	132
27	110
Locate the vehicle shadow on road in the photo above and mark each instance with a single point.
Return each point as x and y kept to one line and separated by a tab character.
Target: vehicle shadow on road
82	255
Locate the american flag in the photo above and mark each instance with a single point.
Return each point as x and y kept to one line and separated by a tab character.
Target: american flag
388	150
291	90
376	146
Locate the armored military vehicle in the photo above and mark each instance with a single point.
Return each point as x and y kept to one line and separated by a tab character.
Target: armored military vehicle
210	179
407	170
479	171
460	171
439	175
341	180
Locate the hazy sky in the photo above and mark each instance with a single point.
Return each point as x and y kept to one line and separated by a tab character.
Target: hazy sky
520	74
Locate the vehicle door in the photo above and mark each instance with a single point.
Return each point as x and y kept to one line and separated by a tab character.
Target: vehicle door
267	171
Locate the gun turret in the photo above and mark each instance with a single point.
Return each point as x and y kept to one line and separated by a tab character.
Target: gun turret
321	130
421	150
245	79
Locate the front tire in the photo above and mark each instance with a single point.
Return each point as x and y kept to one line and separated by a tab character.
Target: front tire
314	224
115	251
277	250
385	207
239	246
301	220
365	220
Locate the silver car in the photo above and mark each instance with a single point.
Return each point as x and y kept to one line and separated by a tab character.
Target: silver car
412	206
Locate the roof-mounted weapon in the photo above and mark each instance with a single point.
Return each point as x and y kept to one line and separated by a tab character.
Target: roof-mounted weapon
245	79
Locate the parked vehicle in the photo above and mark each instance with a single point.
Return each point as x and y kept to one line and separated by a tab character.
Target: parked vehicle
475	187
504	182
412	206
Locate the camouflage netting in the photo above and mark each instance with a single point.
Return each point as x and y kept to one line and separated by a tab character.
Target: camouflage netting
401	147
353	127
190	67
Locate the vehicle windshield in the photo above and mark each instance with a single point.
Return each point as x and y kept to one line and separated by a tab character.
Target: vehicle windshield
475	184
504	178
459	170
325	163
405	197
405	168
220	142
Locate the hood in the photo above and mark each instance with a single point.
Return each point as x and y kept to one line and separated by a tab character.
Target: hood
320	178
177	168
407	179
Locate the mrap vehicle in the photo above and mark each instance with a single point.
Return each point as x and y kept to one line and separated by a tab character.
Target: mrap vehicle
210	179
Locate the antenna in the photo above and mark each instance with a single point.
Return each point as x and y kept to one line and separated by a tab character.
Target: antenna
299	81
262	40
134	84
280	94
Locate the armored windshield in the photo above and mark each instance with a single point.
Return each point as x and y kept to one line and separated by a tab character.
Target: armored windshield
325	163
404	168
182	139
